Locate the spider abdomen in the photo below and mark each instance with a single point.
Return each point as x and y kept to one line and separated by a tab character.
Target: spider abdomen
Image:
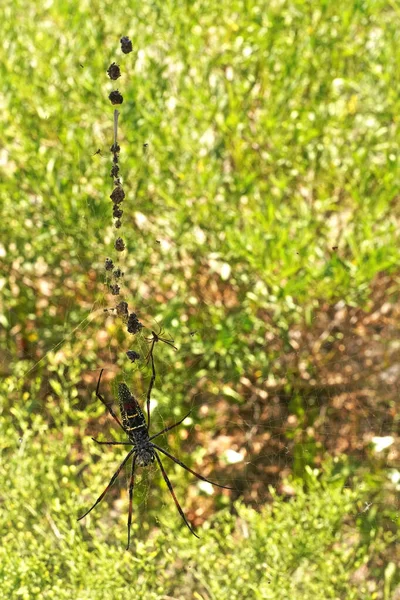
131	413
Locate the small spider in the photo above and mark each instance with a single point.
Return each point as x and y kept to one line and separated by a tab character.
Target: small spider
156	337
144	451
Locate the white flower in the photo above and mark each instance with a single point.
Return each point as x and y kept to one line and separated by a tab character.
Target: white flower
381	443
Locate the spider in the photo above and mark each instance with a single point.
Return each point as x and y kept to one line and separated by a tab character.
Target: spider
144	451
156	337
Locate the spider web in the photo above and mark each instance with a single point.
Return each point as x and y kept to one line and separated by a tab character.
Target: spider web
276	430
330	389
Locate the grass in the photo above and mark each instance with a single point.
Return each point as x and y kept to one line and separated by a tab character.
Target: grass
272	185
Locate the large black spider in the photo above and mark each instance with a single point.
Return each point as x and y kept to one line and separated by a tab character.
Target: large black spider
144	451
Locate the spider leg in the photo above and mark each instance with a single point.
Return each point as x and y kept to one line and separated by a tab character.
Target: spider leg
110	410
112	443
180	463
150	355
152	380
150	352
169	427
131	484
169	342
113	478
171	489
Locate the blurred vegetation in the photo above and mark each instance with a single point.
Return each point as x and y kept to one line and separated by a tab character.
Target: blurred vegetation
263	235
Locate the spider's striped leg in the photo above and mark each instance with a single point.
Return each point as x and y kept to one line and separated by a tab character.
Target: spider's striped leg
131	484
171	489
169	427
110	410
112	443
113	478
152	380
181	464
